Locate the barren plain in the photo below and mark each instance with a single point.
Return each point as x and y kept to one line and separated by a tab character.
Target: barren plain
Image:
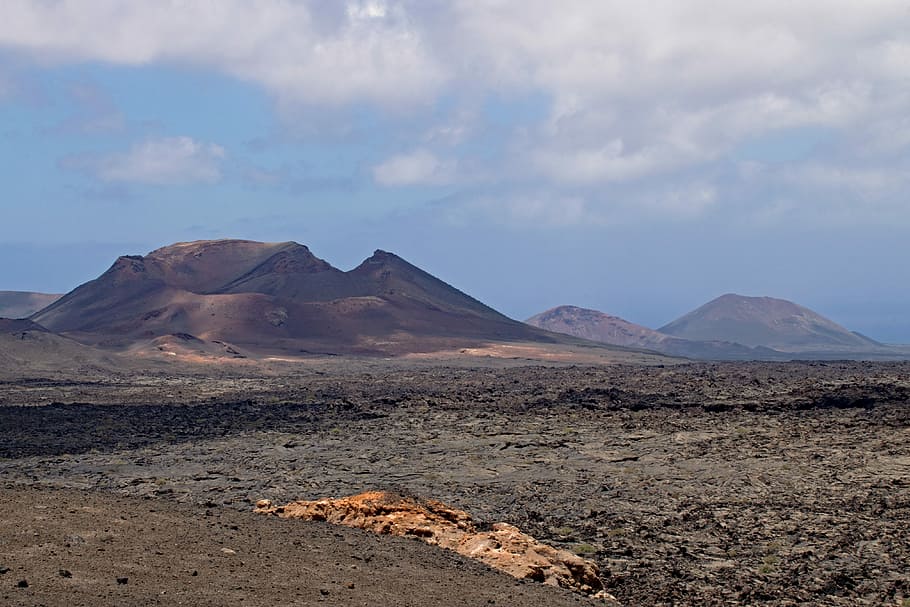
696	484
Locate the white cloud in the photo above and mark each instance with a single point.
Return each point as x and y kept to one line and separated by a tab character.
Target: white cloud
544	209
680	201
163	161
339	54
821	193
642	90
367	10
650	95
858	182
603	164
420	167
610	56
548	208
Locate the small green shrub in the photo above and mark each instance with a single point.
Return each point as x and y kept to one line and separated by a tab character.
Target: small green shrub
584	549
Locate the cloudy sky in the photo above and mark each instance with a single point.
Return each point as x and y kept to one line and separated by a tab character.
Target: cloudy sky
639	158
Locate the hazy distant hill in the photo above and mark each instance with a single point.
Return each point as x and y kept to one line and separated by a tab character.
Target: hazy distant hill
768	322
277	297
731	327
25	344
597	326
22	304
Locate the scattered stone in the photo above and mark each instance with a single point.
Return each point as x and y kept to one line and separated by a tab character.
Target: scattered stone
123	580
228	551
777	495
65	573
4	570
22	584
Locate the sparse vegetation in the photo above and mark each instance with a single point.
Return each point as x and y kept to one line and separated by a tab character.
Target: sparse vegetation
583	549
769	564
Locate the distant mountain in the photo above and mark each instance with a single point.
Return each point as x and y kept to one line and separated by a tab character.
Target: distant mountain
768	322
262	298
22	304
594	325
597	326
26	348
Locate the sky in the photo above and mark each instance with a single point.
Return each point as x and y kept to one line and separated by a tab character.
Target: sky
639	158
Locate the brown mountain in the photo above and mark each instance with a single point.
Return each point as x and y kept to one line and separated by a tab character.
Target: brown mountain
597	326
22	304
268	298
768	322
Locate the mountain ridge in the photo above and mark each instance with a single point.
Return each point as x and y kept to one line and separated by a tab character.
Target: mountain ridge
268	298
729	327
606	328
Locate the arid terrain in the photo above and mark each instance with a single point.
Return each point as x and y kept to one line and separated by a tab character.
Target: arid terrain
697	484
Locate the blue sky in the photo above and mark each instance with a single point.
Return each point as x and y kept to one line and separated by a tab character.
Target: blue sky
639	160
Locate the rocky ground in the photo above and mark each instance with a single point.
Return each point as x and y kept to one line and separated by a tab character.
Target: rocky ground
732	484
72	549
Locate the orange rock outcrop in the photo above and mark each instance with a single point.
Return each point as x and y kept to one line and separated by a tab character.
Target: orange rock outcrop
504	547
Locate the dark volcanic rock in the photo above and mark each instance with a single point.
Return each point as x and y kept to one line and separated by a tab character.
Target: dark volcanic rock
773	483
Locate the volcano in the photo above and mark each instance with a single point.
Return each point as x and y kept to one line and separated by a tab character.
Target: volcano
768	322
268	298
